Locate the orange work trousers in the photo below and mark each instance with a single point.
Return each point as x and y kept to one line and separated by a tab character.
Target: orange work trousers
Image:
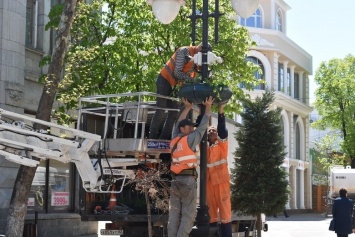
219	200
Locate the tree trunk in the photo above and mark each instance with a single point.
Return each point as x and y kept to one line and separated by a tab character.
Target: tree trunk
352	162
18	204
149	213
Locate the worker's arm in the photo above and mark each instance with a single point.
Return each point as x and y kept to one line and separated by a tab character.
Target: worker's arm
181	58
183	115
221	127
195	137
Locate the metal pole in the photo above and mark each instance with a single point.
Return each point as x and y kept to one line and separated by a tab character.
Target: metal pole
36	223
246	232
203	218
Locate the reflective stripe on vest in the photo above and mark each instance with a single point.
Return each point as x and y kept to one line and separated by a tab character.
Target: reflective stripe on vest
184	158
220	162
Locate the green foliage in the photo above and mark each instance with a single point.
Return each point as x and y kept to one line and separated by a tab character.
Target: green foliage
327	153
259	182
122	47
54	16
335	100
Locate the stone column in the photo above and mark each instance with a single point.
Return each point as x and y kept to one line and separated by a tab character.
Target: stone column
301	191
287	170
294	188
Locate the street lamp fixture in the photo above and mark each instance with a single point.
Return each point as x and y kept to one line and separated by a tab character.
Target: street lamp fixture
166	10
245	8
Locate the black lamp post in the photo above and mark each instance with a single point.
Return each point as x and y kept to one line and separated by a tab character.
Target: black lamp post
243	8
203	218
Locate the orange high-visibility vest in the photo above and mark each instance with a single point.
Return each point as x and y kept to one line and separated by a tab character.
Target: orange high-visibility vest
182	157
217	165
168	69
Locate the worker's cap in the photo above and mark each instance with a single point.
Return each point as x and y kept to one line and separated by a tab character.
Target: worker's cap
186	122
211	129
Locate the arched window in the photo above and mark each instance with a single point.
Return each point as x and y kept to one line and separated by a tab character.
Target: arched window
257	74
279	21
253	21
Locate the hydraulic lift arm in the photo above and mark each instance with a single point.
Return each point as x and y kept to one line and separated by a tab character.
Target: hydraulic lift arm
19	143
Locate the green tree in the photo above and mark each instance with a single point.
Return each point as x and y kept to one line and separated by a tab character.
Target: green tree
259	182
327	153
123	48
335	101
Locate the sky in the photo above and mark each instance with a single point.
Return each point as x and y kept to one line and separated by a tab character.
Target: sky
324	28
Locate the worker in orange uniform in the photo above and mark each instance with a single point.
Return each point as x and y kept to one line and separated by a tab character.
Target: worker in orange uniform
179	69
218	178
183	190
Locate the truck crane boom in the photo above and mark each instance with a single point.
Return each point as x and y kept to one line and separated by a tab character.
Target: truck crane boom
21	144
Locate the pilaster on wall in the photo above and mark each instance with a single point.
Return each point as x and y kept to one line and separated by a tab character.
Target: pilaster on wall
293	194
276	71
292	86
300	82
12	54
302	189
287	170
306	82
285	63
308	189
307	124
292	139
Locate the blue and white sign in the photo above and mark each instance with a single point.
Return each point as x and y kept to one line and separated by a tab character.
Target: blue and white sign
158	145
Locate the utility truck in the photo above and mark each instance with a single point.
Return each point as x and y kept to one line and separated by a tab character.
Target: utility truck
339	177
112	154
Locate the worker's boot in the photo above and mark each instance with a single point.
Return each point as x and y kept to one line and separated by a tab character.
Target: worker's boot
214	229
226	229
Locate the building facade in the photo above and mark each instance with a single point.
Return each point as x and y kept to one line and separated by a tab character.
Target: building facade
286	68
23	43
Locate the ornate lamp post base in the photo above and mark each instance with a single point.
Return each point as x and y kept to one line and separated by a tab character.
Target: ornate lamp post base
202	223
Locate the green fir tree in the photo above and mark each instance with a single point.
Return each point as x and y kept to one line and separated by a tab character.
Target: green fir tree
259	182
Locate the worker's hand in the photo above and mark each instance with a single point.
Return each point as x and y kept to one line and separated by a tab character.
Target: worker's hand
208	101
187	103
221	108
353	230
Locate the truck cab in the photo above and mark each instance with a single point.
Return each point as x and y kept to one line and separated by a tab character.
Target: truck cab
339	177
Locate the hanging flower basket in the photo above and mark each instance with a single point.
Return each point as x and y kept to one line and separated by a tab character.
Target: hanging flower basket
198	92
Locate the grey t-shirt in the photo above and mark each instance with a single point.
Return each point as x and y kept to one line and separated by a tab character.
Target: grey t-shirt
194	138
